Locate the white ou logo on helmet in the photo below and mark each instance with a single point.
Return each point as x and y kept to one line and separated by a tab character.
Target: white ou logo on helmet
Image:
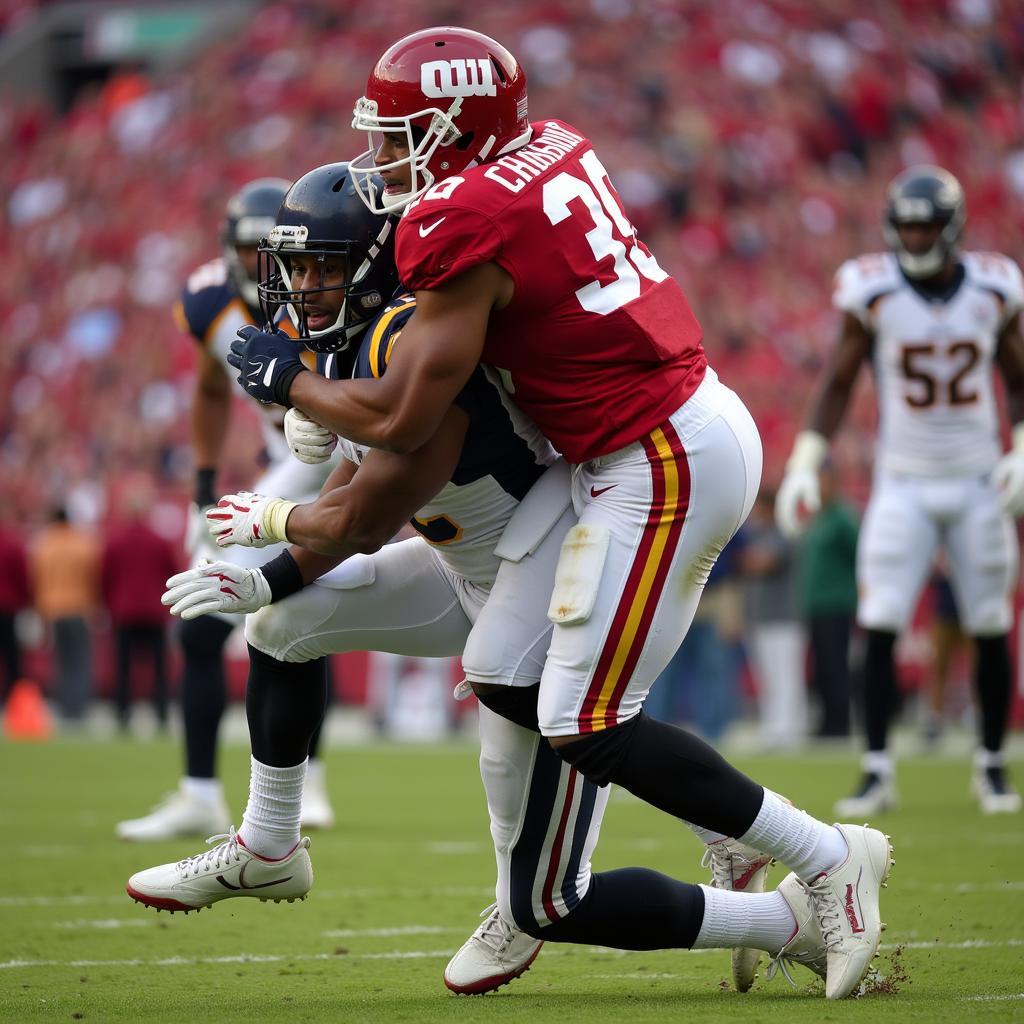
459	77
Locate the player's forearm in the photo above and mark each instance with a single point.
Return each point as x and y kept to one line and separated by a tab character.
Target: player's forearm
338	526
211	418
830	407
368	412
313	565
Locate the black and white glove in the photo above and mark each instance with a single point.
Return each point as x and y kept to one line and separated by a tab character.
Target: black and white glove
308	441
216	587
267	363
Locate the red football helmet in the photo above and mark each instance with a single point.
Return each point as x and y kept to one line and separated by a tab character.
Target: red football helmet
460	99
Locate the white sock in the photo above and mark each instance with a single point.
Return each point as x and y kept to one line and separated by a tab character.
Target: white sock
209	791
805	845
879	762
315	772
270	825
705	835
988	759
762	920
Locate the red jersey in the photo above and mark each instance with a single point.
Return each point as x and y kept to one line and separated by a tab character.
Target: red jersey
599	344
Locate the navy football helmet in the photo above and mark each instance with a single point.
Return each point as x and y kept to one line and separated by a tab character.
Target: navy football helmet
925	195
248	218
323	217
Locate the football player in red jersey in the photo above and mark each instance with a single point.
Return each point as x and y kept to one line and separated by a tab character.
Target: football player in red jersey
521	257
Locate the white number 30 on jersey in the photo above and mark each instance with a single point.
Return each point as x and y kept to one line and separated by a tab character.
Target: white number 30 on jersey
630	260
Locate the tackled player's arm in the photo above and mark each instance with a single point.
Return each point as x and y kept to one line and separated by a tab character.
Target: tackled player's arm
833	397
1010	357
401	411
383	493
311	564
211	411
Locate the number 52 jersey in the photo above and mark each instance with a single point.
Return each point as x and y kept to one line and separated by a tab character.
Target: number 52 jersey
598	345
933	359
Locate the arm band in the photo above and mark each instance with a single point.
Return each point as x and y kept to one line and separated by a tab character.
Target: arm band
283	576
205	480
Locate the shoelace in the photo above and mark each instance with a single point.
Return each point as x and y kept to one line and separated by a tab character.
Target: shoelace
494	932
224	853
785	958
720	863
825	905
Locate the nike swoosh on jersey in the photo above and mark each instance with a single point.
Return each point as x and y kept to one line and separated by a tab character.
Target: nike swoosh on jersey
268	376
424	231
596	492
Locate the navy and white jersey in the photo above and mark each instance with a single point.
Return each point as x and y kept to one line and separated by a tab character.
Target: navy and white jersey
212	311
503	455
933	359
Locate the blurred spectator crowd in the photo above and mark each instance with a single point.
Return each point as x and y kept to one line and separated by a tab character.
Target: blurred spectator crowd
750	140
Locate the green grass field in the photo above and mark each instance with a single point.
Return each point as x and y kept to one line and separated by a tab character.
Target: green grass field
402	877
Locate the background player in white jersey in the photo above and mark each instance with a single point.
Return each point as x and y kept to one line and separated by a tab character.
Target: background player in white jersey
419	597
523	258
219	298
934	323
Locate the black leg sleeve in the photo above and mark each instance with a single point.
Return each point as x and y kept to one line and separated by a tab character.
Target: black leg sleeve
632	908
203	691
670	769
284	703
993	681
879	687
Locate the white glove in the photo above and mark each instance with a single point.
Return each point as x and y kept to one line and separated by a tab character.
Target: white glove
197	537
252	520
1008	476
800	484
309	442
216	587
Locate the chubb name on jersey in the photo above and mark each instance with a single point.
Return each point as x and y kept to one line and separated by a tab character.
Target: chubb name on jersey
933	359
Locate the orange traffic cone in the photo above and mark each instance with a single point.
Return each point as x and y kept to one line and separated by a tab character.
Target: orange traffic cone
26	716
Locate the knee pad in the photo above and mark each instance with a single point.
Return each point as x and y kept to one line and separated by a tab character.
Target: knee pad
204	638
271	630
516	703
597	755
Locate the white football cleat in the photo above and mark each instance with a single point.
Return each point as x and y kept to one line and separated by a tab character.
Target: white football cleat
806	946
845	902
229	869
316	808
495	954
875	794
180	814
994	791
738	868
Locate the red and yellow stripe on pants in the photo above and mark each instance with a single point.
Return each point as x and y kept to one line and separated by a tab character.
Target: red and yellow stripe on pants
670	499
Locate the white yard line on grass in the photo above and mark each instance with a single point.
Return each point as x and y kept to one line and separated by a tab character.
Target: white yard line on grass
275	958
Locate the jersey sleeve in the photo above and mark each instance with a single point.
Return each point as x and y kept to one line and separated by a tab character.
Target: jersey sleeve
205	296
438	241
1002	276
379	340
859	283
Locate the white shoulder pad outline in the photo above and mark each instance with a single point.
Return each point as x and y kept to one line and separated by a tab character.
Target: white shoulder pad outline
537	513
860	280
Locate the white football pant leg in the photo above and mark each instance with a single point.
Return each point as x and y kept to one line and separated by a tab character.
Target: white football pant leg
545	821
897	544
411	607
670	503
983	560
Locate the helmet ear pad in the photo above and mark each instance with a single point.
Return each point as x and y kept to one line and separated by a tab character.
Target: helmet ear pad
321	217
